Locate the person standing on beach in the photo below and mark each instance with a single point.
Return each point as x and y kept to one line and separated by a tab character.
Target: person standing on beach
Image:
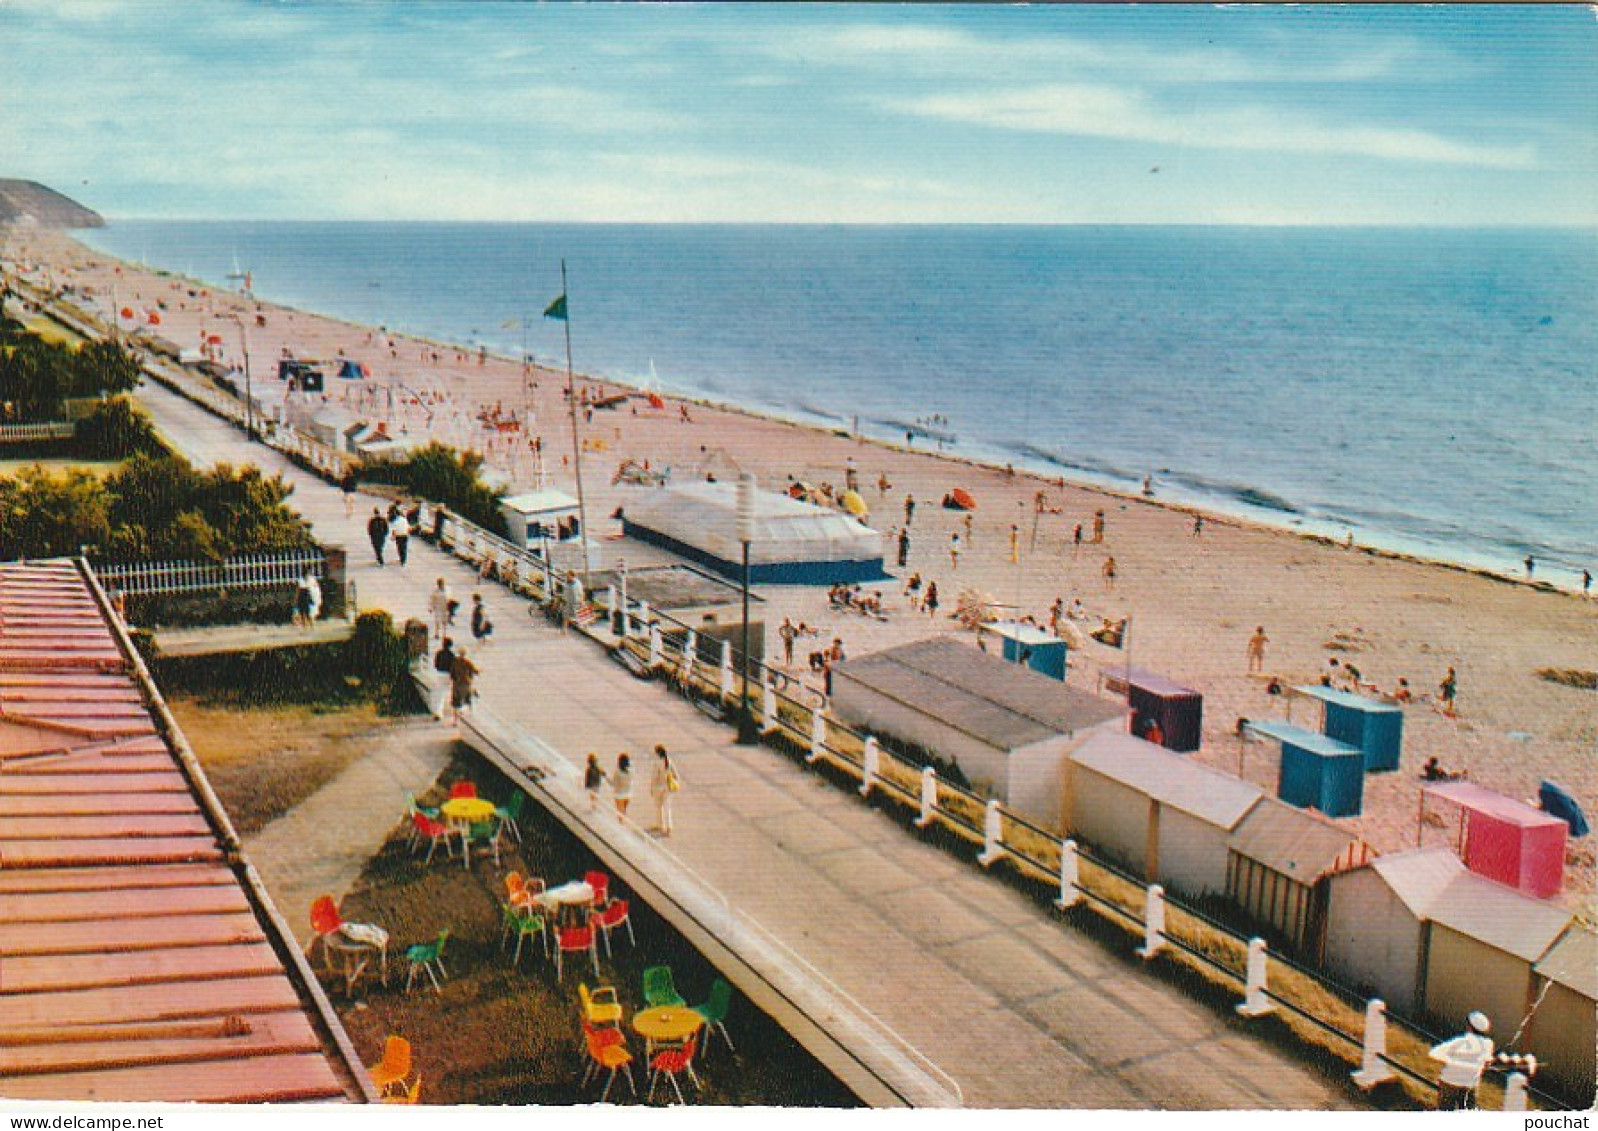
930	602
593	778
851	475
1098	526
377	532
1447	690
1586	583
1015	543
1531	566
621	785
970	540
399	529
1109	573
788	634
954	551
1256	649
1198	526
1076	540
909	510
662	785
904	547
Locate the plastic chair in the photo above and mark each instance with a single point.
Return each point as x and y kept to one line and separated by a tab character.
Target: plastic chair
325	920
485	831
658	987
609	1054
672	1063
522	923
600	1006
434	832
411	1095
395	1065
601	885
714	1012
511	812
613	915
411	809
462	789
424	957
575	940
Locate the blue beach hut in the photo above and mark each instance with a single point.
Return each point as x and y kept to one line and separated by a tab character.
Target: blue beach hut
1376	728
1317	772
1028	644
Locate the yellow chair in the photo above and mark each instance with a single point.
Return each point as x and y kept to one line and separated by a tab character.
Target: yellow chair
395	1065
411	1095
600	1006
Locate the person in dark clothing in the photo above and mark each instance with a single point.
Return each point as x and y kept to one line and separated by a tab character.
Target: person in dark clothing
377	531
904	547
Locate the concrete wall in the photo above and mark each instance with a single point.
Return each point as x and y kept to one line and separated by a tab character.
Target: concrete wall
1372	940
1463	974
1564	1035
864	709
1192	853
1110	815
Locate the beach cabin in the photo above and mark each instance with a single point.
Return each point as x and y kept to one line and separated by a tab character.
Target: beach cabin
1165	817
1429	937
1506	840
1008	728
1316	772
1278	861
1032	646
1178	710
795	543
1564	1030
1374	727
540	516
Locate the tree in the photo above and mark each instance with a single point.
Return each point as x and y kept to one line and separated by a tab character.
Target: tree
102	368
117	430
45	516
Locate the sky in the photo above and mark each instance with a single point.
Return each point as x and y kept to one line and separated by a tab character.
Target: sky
227	109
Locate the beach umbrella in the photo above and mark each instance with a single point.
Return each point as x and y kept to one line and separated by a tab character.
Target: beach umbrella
1557	801
127	312
854	504
214	340
152	317
962	499
655	401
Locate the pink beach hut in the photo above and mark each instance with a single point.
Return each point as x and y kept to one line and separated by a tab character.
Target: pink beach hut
1506	840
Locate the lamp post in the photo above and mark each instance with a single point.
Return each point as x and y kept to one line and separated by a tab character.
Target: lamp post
748	730
249	390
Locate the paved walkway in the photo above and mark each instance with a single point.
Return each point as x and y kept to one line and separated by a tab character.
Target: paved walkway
1020	1009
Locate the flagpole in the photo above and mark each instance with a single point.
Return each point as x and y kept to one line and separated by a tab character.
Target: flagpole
577	446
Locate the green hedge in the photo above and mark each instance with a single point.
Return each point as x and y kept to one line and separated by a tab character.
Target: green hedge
442	475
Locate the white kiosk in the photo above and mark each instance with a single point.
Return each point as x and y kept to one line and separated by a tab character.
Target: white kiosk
540	516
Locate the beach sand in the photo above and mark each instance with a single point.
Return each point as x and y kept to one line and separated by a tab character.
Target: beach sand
1194	600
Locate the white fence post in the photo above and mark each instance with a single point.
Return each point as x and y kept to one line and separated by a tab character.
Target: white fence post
621	598
818	734
643	618
654	646
1372	1068
1070	890
868	772
929	797
726	669
1255	1003
690	653
1153	923
992	830
768	703
1515	1089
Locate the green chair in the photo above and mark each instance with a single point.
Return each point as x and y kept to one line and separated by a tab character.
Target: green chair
714	1012
511	812
658	987
485	831
424	957
523	923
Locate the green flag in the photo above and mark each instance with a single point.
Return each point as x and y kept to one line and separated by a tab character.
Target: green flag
556	309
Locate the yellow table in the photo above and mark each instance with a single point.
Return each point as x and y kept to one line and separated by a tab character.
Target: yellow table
462	813
666	1025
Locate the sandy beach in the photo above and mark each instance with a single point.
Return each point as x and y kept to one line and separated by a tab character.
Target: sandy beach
1194	599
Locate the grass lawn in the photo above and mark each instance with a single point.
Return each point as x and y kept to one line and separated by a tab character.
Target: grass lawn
96	467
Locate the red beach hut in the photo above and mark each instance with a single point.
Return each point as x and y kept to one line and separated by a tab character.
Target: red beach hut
1507	840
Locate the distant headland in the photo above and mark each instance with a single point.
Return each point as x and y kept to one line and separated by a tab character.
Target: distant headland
28	202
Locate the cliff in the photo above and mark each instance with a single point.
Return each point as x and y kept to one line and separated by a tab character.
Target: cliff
28	202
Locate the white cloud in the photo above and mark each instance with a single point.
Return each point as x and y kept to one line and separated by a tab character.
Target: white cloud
1086	110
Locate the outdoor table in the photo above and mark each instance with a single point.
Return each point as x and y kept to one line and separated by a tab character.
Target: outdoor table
355	944
569	894
462	813
666	1025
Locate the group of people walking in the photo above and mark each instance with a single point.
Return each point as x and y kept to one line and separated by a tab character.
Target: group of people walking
392	528
664	785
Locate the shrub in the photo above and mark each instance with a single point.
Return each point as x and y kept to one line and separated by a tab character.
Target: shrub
116	430
445	476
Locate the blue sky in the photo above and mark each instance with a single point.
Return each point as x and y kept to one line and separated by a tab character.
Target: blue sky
814	113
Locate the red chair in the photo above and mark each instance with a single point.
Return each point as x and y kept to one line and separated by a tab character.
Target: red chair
434	832
575	940
601	885
608	1053
462	789
611	916
672	1063
325	919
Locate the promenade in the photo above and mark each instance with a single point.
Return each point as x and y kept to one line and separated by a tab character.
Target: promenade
1021	1010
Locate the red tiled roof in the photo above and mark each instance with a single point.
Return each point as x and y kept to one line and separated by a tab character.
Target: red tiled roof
133	963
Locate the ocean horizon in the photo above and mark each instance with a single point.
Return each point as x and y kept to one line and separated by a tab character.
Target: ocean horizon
1432	390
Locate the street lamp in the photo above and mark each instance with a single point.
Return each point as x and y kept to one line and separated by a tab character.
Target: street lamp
249	391
748	730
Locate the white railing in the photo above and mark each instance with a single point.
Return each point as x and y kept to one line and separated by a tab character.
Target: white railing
248	571
44	430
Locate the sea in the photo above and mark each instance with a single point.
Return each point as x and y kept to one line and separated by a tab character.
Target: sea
1431	391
